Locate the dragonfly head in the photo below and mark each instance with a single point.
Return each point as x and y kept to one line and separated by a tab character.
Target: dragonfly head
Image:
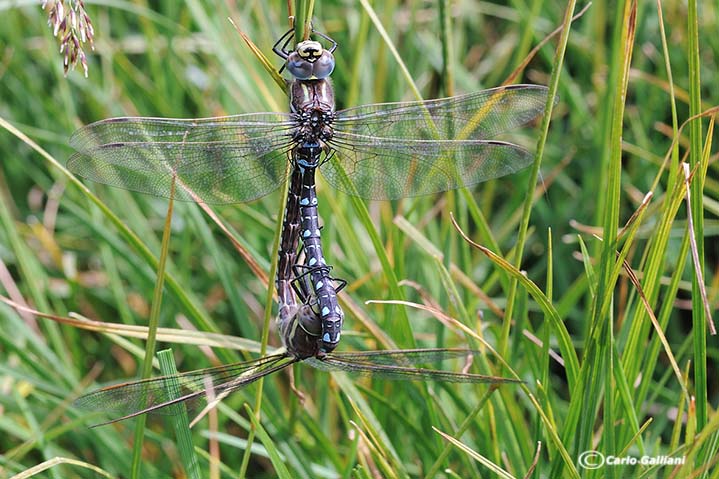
300	329
310	61
308	321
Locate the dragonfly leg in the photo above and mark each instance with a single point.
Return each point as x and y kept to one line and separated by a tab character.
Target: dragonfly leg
340	284
300	288
281	51
301	283
293	387
329	39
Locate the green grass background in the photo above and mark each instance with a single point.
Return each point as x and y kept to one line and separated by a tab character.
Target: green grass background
616	389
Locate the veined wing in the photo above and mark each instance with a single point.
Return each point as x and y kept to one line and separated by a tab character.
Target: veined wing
155	394
479	115
216	160
403	365
388	169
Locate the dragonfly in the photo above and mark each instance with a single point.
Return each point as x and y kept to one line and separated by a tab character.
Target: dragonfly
382	151
303	288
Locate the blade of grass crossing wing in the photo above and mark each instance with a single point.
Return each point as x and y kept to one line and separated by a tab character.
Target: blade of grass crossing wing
152	331
534	174
266	325
179	419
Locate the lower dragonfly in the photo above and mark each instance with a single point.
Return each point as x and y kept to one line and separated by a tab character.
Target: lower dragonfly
383	151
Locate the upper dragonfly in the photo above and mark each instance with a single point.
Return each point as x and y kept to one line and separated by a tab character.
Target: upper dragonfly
381	151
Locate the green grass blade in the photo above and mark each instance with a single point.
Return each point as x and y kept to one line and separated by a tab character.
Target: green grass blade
557	67
445	31
152	333
46	465
565	344
498	471
400	325
277	460
388	41
190	303
179	419
697	212
269	301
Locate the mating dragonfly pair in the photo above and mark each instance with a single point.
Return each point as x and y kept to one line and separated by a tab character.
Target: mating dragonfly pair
381	151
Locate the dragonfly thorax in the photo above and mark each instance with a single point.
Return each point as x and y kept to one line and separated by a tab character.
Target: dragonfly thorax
310	61
313	128
312	96
313	125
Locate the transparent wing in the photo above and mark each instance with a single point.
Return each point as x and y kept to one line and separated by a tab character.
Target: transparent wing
396	150
154	395
216	160
475	116
388	169
403	365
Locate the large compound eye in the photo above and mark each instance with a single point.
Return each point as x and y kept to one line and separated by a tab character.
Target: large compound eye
309	321
324	65
299	67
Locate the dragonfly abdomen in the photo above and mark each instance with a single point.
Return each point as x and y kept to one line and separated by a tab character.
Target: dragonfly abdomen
327	305
299	326
287	254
